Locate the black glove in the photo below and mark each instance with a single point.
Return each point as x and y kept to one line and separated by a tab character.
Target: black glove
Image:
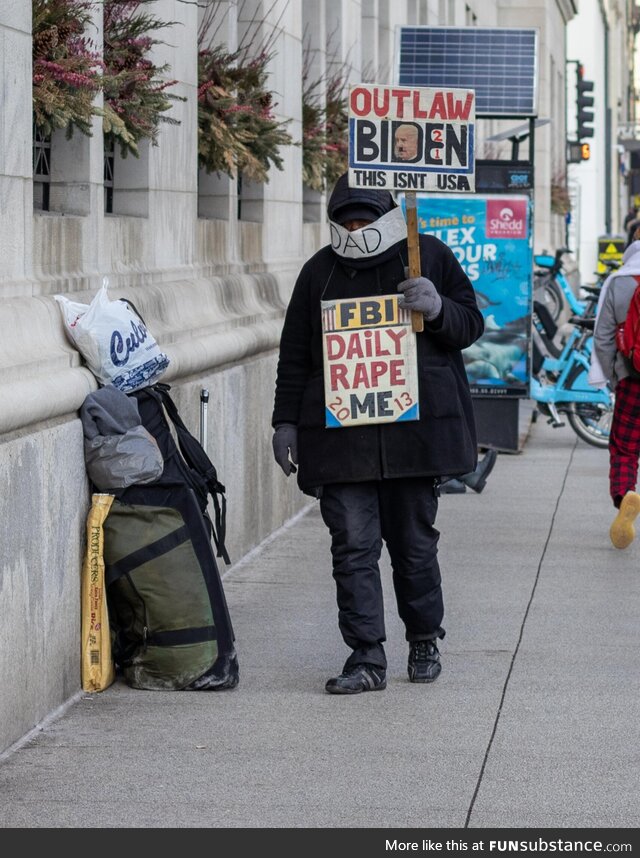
419	293
285	440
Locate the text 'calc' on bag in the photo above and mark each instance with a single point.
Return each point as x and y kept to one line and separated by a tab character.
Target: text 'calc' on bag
114	341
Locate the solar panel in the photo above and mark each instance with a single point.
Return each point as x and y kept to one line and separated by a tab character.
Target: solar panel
499	63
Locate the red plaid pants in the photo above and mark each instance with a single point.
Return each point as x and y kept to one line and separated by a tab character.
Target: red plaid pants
624	441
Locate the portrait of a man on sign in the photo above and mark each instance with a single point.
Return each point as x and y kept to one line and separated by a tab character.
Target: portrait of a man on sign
406	142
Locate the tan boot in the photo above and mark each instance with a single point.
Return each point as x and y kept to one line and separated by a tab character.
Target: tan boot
622	531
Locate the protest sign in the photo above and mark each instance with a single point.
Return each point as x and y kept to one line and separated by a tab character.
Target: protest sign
370	364
411	138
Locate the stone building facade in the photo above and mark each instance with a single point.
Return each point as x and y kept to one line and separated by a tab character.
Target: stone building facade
211	285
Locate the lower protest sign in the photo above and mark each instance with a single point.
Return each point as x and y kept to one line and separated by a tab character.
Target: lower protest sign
370	364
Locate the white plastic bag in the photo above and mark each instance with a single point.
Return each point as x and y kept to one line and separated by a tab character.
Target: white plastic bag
113	340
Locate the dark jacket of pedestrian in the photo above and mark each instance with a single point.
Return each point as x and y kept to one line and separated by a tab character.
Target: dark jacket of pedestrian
378	483
443	441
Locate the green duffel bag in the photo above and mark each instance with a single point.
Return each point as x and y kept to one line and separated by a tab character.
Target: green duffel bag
167	610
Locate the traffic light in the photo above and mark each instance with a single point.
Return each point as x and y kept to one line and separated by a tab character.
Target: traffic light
577	152
584	104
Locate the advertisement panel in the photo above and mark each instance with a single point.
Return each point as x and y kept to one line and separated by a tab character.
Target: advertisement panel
491	238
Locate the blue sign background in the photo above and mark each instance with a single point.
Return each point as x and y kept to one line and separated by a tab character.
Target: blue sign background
500	270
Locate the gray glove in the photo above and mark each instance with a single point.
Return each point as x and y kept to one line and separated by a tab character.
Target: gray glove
419	293
285	441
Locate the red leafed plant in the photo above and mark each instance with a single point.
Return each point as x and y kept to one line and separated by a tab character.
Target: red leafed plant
325	125
66	67
68	72
238	132
560	199
136	96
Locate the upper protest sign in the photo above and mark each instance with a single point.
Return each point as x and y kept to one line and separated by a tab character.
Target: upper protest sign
411	138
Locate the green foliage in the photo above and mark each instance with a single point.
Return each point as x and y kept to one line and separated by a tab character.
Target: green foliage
135	95
66	72
237	130
325	141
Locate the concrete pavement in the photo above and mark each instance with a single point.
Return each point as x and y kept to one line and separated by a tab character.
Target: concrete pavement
534	722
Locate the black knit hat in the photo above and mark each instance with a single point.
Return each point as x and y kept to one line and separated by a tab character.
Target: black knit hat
355	211
348	203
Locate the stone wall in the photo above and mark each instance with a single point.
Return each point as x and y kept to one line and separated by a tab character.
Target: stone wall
212	291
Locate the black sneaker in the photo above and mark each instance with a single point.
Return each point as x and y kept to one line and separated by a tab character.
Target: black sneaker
360	677
424	662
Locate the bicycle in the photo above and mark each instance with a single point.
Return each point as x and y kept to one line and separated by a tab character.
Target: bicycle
559	382
554	288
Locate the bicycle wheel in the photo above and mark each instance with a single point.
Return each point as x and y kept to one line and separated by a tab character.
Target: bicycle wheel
591	421
549	294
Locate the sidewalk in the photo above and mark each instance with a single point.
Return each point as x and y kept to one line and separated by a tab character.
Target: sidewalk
534	722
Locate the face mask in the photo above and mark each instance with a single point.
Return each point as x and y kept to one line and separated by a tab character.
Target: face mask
370	240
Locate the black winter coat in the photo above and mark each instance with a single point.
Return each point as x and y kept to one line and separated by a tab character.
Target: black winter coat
443	440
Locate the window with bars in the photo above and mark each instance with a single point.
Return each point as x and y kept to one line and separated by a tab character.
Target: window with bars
109	169
41	169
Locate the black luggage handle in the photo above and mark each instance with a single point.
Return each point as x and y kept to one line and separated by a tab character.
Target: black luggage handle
197	459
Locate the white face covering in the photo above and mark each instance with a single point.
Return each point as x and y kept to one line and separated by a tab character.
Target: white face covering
369	240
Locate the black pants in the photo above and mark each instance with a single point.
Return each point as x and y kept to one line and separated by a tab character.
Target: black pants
360	516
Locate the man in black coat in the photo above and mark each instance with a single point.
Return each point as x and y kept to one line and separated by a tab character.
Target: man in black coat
379	482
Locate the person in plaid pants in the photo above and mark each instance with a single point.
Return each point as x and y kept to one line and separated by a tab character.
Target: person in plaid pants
624	440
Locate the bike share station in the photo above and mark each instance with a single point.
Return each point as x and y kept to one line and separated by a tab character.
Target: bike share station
489	231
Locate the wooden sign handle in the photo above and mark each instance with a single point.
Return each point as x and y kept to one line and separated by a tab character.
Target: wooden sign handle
417	319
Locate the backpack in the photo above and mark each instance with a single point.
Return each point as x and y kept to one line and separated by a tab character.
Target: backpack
628	332
170	624
189	463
